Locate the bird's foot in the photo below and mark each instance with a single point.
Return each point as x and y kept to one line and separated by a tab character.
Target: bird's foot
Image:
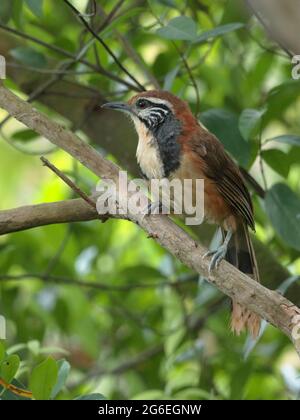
217	256
155	207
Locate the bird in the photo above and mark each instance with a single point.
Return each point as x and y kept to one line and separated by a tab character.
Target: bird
172	143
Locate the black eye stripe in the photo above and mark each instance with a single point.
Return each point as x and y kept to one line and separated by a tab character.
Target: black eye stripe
146	103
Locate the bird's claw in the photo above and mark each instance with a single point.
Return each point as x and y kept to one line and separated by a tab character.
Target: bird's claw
154	207
217	256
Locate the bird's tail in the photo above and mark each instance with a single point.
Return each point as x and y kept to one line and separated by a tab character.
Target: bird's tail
241	254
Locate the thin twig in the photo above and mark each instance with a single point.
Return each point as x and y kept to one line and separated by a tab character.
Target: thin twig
53	261
15	390
148	354
95	284
105	46
185	63
191	76
68	181
131	52
265	48
260	159
66	53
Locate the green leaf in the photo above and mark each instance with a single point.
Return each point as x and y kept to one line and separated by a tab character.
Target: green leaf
180	28
170	77
249	122
194	394
115	23
63	372
17	12
9	367
283	209
36	6
2	351
224	124
287	139
25	135
43	379
277	160
29	57
218	31
281	97
94	397
168	3
239	378
151	394
6	7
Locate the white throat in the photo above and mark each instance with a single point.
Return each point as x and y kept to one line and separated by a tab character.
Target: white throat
147	152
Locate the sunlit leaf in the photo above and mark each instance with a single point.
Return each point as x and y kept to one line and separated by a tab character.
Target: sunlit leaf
9	367
63	372
287	139
180	28
218	31
43	379
249	122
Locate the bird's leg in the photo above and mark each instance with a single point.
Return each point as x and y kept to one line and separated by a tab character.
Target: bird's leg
219	254
154	207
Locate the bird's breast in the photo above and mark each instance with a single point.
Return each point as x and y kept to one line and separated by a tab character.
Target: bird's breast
148	155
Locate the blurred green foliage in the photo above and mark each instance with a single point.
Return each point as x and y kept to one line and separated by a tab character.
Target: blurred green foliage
144	326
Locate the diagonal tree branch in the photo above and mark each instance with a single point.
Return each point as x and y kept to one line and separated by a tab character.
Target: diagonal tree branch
268	304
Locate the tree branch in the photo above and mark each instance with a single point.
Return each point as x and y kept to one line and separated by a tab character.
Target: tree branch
29	217
266	303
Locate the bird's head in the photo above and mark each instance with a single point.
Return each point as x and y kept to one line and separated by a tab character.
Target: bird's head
164	123
155	109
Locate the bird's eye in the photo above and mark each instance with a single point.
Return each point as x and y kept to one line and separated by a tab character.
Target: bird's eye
141	104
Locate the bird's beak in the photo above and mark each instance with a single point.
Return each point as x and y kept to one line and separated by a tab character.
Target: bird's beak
118	106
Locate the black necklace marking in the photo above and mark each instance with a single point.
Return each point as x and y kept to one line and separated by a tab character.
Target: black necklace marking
166	135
